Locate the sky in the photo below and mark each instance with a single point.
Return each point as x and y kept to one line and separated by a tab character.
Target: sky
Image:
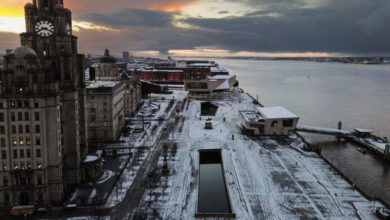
220	27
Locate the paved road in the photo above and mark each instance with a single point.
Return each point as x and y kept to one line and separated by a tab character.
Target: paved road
127	207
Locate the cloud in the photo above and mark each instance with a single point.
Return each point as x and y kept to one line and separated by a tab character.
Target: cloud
223	12
104	6
131	17
337	27
8	41
333	26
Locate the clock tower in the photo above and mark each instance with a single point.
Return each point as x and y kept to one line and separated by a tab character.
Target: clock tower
49	34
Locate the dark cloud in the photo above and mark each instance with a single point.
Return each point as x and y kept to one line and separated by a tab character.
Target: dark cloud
131	17
346	26
223	12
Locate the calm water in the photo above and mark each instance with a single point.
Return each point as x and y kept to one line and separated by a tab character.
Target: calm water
212	191
323	94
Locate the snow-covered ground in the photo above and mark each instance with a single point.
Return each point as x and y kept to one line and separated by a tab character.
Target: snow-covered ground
267	178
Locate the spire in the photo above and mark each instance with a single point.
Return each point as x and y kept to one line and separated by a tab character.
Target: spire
107	52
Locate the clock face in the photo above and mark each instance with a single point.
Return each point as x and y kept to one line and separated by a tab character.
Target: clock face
44	28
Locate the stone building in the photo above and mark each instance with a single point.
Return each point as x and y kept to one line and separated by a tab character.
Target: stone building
132	94
105	110
43	132
107	69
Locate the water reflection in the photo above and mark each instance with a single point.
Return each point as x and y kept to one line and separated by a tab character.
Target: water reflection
212	196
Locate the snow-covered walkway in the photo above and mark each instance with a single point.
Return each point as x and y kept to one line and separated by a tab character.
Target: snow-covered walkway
267	178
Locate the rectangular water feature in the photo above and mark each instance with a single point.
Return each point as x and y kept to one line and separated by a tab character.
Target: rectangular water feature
213	197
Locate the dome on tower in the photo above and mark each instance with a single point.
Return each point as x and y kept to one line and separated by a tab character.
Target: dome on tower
24	52
107	58
29	5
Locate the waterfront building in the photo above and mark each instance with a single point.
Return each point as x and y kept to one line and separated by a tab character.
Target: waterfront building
163	75
269	121
42	119
107	69
105	110
218	83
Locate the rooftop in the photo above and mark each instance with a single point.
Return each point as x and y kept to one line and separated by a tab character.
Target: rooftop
276	112
101	84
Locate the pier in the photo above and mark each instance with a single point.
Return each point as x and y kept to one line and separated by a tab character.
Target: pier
362	137
326	131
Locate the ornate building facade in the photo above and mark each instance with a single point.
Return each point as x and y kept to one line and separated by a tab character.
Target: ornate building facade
107	69
43	130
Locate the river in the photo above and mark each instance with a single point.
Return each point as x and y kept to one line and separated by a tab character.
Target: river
323	94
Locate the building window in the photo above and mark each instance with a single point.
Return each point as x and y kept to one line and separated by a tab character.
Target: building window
1	116
13	129
40	197
2	140
1	105
28	141
2	130
20	129
14	141
13	117
20	116
21	153
15	154
29	165
274	124
28	153
36	105
92	118
21	141
16	166
38	141
36	116
12	104
26	104
288	123
37	129
5	166
5	181
26	116
39	153
3	154
6	198
27	129
39	165
39	178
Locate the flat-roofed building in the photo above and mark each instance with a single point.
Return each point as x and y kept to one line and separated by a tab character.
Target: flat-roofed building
269	121
218	83
105	109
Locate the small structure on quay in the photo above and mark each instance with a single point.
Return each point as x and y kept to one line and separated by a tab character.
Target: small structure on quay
269	121
208	124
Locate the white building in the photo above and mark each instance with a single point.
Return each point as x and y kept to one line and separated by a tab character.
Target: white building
217	83
269	121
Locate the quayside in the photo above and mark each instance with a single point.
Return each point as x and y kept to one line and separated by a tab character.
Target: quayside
213	197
